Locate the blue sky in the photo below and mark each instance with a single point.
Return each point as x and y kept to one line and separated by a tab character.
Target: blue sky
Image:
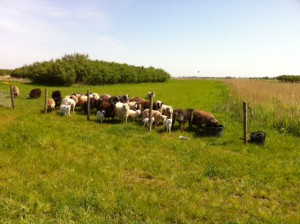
185	38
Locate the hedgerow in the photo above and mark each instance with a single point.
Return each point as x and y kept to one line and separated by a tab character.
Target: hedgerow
79	69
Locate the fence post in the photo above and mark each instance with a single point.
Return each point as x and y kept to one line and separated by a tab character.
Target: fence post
151	96
12	97
46	101
245	120
88	106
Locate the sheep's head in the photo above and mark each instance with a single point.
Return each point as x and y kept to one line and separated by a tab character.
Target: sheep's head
159	104
125	107
213	122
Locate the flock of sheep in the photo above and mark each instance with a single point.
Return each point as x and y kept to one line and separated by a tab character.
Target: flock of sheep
125	107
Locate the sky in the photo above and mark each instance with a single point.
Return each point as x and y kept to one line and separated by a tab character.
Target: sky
209	38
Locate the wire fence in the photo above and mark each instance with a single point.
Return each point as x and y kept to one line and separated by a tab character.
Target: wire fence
5	99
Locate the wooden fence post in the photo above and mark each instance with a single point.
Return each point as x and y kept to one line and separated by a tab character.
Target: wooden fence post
12	97
245	120
151	96
46	101
88	106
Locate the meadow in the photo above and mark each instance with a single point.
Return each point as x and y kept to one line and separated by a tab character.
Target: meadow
56	169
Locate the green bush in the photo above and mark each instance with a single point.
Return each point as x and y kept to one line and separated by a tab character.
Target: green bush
289	78
79	69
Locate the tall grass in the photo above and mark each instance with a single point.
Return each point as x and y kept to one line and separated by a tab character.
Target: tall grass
272	103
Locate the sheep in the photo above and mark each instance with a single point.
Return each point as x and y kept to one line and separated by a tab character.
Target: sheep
96	96
56	96
168	124
35	93
201	118
51	104
122	111
100	115
16	91
166	110
146	121
182	116
134	113
108	108
122	99
105	97
93	104
81	99
146	105
133	105
156	115
65	110
69	101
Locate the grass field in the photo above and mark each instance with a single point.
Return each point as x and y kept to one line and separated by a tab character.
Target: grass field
57	169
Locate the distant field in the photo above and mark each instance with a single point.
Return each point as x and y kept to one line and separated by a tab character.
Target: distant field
274	104
57	169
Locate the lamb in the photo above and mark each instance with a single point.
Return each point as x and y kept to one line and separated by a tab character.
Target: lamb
146	121
201	118
71	102
168	124
65	110
16	91
156	115
122	111
51	104
100	115
134	113
182	116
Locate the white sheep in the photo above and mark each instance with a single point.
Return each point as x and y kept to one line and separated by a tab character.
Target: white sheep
122	111
71	102
134	113
65	110
168	124
166	110
100	115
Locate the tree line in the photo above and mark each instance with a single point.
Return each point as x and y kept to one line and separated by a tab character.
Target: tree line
288	78
5	71
79	69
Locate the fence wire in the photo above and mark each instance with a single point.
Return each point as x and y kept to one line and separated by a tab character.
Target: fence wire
5	99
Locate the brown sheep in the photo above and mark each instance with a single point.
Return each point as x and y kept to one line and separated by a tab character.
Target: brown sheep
156	115
16	91
51	104
35	93
108	108
182	116
201	118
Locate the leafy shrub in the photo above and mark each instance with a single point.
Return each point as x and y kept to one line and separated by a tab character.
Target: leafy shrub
78	68
289	78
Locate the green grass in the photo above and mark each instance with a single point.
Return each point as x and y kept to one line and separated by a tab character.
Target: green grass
57	169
